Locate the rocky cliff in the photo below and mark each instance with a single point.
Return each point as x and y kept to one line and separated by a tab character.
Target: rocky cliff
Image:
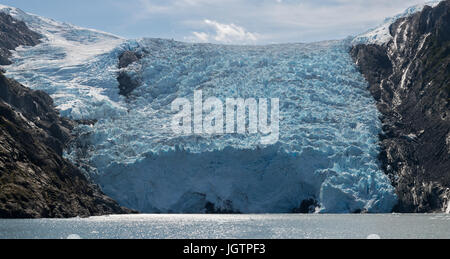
35	180
14	33
127	83
410	78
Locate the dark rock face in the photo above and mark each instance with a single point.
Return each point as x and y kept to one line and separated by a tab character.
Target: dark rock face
127	83
35	180
307	206
410	79
14	33
226	208
127	58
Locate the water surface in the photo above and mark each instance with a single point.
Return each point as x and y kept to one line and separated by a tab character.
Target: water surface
232	227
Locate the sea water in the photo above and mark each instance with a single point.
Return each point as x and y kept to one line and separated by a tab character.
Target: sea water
269	226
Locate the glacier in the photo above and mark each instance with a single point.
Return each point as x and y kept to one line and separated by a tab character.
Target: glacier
329	126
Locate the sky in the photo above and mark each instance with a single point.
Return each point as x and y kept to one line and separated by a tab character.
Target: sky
222	21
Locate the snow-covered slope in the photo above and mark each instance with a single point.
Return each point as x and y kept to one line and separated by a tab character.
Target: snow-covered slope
329	130
74	65
381	35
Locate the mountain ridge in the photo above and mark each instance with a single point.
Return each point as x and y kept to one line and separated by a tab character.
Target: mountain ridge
409	76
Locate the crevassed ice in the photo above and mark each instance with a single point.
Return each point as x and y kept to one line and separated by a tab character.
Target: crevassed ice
329	125
328	133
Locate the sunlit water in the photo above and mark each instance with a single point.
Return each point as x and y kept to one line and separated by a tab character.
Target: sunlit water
232	226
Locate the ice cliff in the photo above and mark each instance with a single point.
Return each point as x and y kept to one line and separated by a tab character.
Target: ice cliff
326	157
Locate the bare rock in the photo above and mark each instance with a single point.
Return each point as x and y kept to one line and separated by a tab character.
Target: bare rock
410	79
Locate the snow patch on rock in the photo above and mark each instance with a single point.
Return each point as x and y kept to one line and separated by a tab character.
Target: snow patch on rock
381	34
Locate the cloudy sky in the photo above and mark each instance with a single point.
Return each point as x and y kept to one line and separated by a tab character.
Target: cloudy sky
222	21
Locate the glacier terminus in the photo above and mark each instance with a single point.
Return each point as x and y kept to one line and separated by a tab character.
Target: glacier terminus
324	159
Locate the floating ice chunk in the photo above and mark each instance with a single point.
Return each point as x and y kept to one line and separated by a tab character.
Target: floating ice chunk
73	236
373	237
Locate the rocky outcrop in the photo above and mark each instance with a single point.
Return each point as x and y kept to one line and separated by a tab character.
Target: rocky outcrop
307	206
127	83
35	180
127	58
410	79
14	33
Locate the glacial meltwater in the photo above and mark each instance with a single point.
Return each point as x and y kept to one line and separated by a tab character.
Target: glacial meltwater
268	226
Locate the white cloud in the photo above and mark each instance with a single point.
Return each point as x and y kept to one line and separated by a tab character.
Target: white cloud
224	33
266	21
202	37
